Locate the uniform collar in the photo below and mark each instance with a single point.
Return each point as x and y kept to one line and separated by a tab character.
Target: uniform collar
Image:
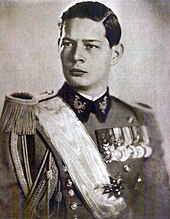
83	106
92	98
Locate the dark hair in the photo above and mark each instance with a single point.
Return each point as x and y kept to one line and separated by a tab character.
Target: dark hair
96	12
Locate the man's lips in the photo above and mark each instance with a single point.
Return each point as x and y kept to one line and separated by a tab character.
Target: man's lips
77	72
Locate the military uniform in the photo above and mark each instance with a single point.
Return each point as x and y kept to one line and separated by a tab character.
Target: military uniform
140	178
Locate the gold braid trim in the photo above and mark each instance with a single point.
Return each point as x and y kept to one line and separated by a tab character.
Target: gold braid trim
17	163
38	195
53	182
31	208
18	114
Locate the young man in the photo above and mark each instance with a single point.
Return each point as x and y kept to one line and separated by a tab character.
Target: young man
87	154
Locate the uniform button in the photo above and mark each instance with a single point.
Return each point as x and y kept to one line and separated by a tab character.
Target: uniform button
130	119
139	180
74	206
126	168
71	192
50	92
64	168
69	183
75	216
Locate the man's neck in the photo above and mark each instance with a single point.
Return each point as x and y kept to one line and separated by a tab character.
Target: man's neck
92	92
90	97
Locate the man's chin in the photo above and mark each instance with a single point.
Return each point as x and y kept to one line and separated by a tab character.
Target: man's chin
78	83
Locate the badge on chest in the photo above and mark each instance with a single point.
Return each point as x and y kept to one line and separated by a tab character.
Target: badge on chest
123	143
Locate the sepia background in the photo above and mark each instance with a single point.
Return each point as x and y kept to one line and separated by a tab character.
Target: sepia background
29	59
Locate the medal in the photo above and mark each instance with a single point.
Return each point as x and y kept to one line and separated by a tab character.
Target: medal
123	143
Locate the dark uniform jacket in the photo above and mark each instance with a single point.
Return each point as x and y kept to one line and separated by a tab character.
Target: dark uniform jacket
144	181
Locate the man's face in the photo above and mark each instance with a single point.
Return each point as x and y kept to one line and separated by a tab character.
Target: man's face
85	54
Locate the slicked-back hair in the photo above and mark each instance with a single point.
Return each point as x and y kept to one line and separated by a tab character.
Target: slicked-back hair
97	12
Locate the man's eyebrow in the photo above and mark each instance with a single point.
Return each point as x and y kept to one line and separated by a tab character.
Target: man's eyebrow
91	40
84	40
67	38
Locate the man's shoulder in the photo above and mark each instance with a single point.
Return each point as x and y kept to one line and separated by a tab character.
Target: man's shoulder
137	108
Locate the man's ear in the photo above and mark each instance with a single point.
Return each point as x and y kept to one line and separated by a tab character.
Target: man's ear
117	52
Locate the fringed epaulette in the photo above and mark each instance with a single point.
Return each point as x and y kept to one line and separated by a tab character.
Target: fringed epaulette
19	112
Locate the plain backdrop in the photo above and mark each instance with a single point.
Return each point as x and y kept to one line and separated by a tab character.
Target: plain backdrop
29	59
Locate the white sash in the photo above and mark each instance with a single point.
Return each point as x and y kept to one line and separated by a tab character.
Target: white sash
78	151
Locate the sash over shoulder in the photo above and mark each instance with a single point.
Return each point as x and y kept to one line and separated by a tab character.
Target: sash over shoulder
78	151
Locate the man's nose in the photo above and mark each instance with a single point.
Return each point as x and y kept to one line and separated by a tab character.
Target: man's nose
79	53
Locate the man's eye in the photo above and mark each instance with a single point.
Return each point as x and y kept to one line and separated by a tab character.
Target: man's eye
91	46
67	44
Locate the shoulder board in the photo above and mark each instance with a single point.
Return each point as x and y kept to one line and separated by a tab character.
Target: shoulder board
144	106
19	112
